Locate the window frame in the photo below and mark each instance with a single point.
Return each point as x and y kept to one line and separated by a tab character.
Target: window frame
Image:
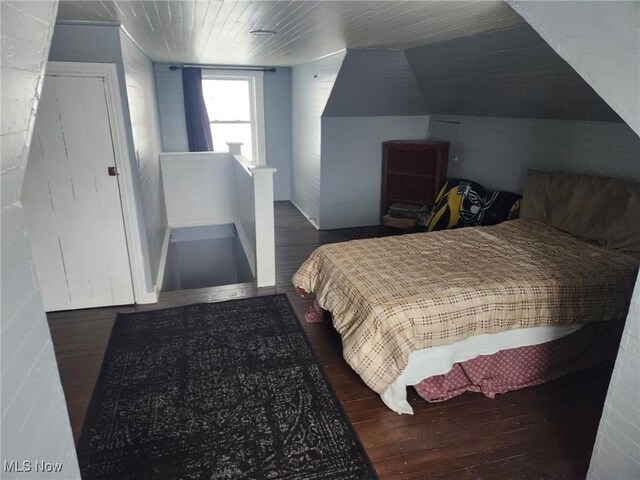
256	106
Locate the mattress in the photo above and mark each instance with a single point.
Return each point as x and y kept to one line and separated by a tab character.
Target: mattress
390	297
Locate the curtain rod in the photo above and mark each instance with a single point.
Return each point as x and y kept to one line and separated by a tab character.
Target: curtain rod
226	67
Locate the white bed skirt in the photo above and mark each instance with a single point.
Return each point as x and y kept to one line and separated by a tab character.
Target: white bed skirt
428	362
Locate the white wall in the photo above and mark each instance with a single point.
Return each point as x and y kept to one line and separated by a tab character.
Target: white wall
277	114
600	41
352	165
198	188
145	130
616	453
171	108
311	85
35	423
496	152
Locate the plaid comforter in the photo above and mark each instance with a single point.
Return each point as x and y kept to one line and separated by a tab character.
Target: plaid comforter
394	295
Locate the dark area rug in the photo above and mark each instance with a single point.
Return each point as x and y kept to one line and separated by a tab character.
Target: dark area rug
225	390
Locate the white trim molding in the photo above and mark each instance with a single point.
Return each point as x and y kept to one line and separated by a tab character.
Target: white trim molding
256	94
136	244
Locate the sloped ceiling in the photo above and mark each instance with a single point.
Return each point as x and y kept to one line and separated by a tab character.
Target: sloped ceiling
511	72
375	83
601	41
217	31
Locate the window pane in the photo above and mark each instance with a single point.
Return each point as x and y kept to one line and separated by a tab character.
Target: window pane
232	132
227	100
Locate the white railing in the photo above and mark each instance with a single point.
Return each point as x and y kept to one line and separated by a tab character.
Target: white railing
254	214
198	188
208	188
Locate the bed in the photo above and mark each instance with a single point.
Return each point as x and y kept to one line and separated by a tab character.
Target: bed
411	307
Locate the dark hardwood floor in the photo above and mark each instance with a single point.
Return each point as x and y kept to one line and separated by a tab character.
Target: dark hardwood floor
534	433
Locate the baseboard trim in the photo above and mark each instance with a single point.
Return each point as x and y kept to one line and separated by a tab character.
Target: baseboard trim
201	223
312	221
147	298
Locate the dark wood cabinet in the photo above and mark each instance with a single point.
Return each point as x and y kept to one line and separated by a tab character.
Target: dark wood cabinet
413	171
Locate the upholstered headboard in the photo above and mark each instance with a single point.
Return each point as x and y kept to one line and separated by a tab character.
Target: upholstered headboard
606	210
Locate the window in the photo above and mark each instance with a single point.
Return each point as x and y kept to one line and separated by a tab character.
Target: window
235	107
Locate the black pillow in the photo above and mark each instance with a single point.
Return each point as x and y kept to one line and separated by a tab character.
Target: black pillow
498	207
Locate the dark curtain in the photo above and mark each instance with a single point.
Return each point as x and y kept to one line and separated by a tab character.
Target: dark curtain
198	129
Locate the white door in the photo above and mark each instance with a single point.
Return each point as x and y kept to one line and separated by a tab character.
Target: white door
72	205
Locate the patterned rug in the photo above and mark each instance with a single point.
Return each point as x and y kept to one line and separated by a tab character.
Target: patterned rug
225	390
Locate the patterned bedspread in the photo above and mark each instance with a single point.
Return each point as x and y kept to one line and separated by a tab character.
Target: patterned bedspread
394	295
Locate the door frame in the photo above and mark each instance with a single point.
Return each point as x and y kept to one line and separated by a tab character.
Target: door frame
133	221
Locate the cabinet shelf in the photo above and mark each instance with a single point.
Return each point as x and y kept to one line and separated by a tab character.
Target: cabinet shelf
412	172
410	200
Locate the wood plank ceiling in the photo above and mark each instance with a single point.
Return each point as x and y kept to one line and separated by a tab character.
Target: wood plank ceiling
214	31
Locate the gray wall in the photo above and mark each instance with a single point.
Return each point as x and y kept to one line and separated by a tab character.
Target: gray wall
351	175
497	151
375	83
311	85
511	72
86	43
145	129
600	41
35	423
103	44
277	111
